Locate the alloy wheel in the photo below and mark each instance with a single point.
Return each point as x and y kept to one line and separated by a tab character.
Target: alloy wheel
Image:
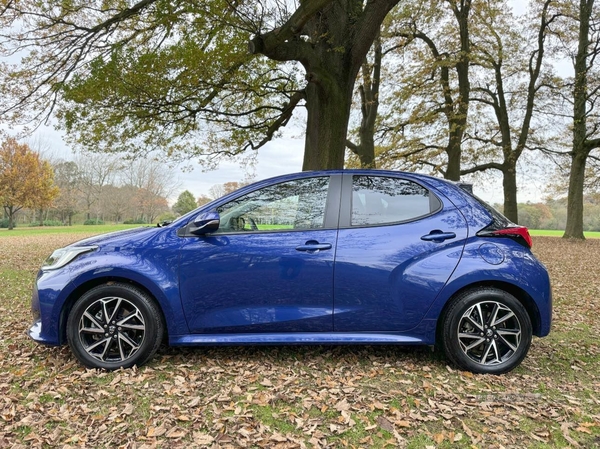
489	333
112	329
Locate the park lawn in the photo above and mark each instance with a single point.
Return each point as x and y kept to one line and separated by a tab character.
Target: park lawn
101	229
559	233
304	396
76	229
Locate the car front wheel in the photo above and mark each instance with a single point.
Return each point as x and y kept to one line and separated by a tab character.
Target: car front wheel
487	331
114	325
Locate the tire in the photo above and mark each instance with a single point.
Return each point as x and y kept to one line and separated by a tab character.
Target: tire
486	331
130	336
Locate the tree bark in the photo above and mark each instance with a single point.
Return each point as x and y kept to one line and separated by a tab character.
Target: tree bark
581	148
574	226
509	184
328	111
369	106
457	115
10	213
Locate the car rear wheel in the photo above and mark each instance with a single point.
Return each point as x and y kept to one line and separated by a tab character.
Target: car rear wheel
114	326
486	330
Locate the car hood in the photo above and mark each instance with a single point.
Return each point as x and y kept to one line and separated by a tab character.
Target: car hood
118	237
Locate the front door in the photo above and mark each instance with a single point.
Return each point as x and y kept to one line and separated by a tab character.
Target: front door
269	267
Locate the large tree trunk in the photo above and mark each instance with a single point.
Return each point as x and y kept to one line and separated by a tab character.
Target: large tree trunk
328	111
458	117
454	151
574	227
509	183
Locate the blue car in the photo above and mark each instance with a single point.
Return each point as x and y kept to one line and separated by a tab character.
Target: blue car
328	257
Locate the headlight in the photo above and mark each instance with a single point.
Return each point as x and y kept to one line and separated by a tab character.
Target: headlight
63	256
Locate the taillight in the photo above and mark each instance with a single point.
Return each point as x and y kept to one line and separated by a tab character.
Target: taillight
518	233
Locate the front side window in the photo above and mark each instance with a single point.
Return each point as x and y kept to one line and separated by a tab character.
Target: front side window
298	204
380	200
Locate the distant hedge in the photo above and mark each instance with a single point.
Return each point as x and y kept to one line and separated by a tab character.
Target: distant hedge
46	223
4	223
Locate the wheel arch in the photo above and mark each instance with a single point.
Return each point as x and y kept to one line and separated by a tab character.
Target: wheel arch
521	295
95	282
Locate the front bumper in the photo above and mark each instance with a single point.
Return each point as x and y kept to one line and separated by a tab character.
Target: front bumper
47	298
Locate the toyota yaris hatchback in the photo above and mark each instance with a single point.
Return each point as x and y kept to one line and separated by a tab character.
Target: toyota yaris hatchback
332	257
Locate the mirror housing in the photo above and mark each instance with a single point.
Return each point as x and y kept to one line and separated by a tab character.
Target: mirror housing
205	223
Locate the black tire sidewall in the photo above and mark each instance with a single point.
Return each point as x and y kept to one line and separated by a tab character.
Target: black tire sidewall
140	299
460	306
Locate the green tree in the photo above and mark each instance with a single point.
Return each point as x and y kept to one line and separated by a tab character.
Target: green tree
185	203
25	180
165	75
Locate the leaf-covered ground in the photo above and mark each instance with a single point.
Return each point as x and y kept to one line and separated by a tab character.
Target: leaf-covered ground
305	396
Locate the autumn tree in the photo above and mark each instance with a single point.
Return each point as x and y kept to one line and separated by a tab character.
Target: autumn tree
421	65
95	172
586	119
185	203
202	200
368	89
219	190
178	77
154	183
25	179
511	80
66	176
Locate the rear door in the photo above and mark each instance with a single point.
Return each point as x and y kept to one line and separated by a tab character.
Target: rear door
398	244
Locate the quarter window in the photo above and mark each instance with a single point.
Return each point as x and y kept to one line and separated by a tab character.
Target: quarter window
379	200
298	204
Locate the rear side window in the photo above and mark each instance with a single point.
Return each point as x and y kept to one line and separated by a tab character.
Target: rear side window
379	200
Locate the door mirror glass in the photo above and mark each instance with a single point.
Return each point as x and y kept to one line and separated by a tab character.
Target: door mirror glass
205	223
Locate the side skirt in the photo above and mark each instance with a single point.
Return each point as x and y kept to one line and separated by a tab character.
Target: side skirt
300	338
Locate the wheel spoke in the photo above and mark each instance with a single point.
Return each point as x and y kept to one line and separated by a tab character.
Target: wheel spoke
503	318
89	316
492	318
106	342
474	323
486	353
480	313
91	330
115	311
478	340
105	310
496	353
129	341
137	315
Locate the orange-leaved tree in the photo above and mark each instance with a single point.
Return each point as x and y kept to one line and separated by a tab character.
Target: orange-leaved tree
25	179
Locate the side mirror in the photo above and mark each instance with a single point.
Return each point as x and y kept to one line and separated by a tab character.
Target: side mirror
205	223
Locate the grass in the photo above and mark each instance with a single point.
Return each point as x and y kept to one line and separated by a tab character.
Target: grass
559	233
351	396
76	229
100	229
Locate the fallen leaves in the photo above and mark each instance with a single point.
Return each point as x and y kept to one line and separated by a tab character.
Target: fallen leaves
299	397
